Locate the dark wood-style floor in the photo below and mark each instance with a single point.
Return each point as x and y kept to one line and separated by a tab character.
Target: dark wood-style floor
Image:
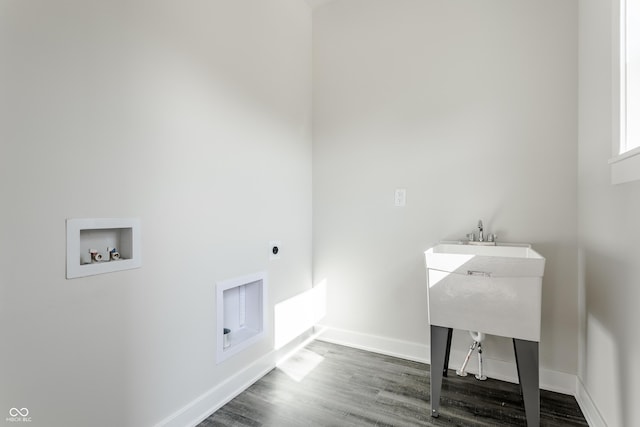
330	385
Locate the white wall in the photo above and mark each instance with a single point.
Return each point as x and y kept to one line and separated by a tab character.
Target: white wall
609	234
200	114
195	118
470	106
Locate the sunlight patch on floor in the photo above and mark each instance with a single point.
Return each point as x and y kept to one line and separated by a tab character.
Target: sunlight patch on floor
298	366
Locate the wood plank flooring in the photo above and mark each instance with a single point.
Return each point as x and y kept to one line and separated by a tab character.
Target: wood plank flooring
330	385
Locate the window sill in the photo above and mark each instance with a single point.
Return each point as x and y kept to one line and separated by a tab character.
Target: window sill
625	167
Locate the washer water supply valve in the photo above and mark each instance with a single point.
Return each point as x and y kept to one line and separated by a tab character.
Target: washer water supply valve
95	255
114	255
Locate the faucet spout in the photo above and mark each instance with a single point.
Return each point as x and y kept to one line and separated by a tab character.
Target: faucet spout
481	231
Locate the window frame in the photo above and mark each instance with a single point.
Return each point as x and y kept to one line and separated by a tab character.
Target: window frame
624	163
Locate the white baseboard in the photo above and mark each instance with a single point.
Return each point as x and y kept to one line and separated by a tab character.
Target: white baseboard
588	407
199	409
377	344
559	382
204	405
194	412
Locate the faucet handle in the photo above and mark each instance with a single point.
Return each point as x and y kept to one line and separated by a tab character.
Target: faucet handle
492	237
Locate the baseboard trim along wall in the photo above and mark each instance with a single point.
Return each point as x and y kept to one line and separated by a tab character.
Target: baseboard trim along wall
199	409
194	412
559	382
588	407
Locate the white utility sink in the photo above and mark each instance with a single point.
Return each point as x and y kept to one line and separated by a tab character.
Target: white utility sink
492	289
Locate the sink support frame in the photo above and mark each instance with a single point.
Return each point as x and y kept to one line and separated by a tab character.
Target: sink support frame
440	352
527	362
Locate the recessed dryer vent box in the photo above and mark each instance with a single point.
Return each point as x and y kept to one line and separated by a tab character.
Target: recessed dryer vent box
241	313
102	245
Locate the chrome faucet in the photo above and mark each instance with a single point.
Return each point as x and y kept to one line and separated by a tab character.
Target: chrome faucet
490	239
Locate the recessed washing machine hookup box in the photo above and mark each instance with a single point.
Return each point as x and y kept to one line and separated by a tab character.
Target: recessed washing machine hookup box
102	245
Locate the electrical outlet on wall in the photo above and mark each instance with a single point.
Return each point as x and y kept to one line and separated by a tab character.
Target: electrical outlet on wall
400	197
275	248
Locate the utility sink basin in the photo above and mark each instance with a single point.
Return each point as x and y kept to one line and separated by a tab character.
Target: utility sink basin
492	289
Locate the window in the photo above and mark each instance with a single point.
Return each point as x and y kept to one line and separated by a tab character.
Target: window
625	165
